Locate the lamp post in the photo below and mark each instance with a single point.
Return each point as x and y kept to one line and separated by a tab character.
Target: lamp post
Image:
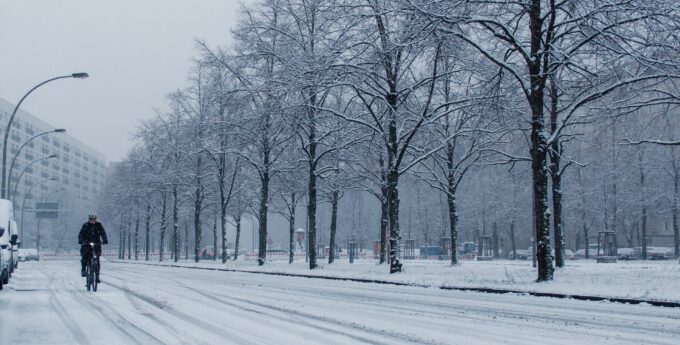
11	165
23	203
16	186
3	191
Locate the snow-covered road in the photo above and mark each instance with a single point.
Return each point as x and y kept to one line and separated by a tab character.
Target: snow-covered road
46	303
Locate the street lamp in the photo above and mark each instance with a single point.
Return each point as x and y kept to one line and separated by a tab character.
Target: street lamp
11	165
16	186
3	191
23	204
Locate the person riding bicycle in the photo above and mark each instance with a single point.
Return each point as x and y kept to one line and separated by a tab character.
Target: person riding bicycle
91	232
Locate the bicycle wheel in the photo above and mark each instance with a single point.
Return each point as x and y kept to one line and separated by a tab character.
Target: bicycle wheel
88	280
94	275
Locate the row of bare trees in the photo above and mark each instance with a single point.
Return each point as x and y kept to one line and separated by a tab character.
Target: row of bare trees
316	98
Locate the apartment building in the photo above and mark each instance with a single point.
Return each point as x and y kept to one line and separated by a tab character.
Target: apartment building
77	170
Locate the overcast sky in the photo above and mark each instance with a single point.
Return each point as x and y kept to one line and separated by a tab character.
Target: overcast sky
136	52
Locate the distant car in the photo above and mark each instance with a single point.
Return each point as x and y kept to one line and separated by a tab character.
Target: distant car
569	255
627	254
659	253
29	254
208	253
522	254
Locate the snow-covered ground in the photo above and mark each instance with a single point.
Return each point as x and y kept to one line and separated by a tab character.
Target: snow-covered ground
650	280
46	303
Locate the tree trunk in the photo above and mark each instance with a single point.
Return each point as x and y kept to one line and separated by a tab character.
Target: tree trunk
393	216
644	233
161	243
451	201
334	225
383	213
175	225
644	207
198	232
676	226
539	146
555	174
223	226
311	213
121	240
291	228
129	239
238	235
383	227
137	238
586	240
264	207
186	242
147	244
495	240
214	239
512	240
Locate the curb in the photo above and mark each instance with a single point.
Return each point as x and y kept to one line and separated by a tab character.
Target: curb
655	303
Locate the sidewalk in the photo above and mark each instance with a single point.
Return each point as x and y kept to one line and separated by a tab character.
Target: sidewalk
650	280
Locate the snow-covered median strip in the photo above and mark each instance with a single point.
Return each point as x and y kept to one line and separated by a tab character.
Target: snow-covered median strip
628	282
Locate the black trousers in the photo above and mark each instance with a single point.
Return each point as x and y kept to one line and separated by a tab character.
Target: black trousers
86	254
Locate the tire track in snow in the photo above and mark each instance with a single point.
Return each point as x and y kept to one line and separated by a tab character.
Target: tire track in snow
162	282
302	316
123	326
546	314
599	325
64	316
137	302
216	330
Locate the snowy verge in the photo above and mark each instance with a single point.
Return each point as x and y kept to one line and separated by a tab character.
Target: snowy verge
630	282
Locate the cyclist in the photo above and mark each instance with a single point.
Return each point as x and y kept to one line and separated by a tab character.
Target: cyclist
91	232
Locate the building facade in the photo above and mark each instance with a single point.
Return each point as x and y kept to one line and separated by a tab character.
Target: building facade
74	178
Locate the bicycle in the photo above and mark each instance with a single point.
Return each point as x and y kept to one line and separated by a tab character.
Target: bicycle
91	269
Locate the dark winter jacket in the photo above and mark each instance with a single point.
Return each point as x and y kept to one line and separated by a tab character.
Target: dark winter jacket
92	233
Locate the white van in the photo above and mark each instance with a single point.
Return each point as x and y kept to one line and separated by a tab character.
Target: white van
14	245
8	240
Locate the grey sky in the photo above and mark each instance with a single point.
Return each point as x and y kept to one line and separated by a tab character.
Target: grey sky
135	52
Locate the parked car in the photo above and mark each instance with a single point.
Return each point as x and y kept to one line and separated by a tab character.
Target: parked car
4	257
627	254
659	253
569	255
522	254
28	254
7	241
